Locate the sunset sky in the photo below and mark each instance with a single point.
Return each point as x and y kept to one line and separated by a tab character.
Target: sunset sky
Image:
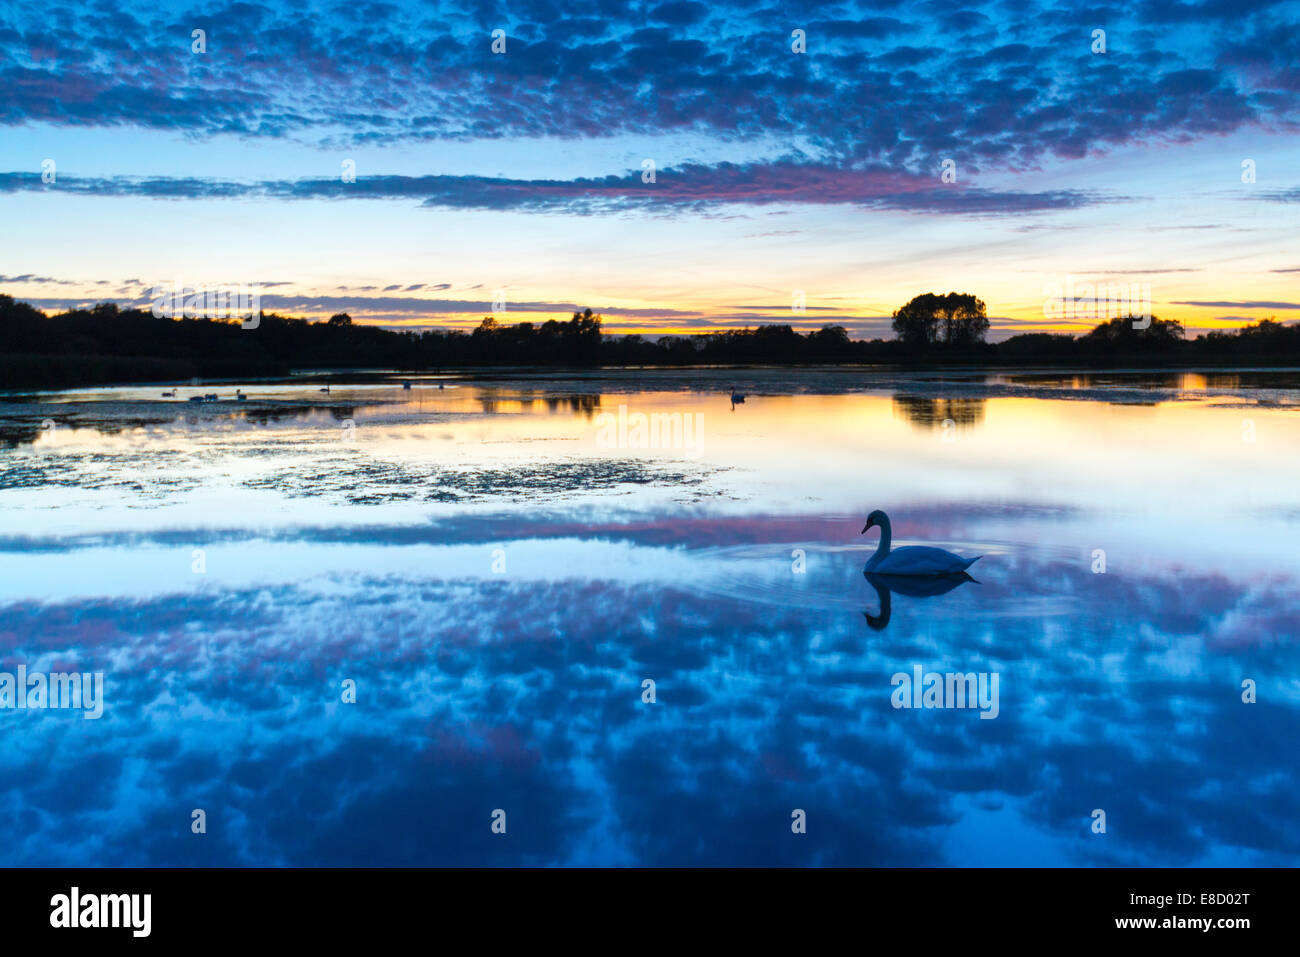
776	172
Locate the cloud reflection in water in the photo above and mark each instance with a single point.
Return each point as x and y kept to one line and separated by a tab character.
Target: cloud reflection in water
523	692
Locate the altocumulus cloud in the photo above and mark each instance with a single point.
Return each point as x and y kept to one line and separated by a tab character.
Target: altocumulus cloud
887	89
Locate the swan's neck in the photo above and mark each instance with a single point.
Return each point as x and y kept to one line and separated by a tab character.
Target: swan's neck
878	622
882	549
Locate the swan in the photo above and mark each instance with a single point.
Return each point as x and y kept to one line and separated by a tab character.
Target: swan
911	559
169	395
326	389
736	397
240	395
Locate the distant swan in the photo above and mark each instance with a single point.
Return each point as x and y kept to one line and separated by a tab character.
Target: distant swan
736	397
169	395
327	388
911	559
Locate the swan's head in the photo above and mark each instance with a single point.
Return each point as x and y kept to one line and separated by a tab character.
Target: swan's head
875	518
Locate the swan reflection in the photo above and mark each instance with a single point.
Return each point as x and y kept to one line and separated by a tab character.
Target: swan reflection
914	586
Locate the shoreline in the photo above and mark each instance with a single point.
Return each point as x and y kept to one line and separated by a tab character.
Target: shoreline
703	372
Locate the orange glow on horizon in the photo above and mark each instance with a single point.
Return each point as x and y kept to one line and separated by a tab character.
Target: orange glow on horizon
1004	322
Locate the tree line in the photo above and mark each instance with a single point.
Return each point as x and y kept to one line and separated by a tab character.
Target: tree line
108	344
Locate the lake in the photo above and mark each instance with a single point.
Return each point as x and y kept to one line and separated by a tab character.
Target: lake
614	618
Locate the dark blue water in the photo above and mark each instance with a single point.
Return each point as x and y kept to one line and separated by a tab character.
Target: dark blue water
499	590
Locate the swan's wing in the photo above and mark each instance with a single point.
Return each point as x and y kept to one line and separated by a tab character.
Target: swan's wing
922	560
919	586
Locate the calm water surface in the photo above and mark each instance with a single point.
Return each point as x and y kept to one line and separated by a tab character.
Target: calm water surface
499	572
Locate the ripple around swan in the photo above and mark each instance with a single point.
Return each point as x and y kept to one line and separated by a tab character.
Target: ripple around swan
832	577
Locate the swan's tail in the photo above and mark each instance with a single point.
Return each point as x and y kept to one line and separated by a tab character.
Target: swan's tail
971	561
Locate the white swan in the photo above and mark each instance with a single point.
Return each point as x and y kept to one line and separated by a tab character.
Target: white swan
911	559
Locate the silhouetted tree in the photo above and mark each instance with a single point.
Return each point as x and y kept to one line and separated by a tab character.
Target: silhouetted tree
1133	332
582	337
917	323
965	319
956	319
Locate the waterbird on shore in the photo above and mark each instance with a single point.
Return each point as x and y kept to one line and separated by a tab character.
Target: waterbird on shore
911	559
169	395
240	396
326	389
736	397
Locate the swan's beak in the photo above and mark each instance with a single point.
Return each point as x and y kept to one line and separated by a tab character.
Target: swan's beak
864	528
